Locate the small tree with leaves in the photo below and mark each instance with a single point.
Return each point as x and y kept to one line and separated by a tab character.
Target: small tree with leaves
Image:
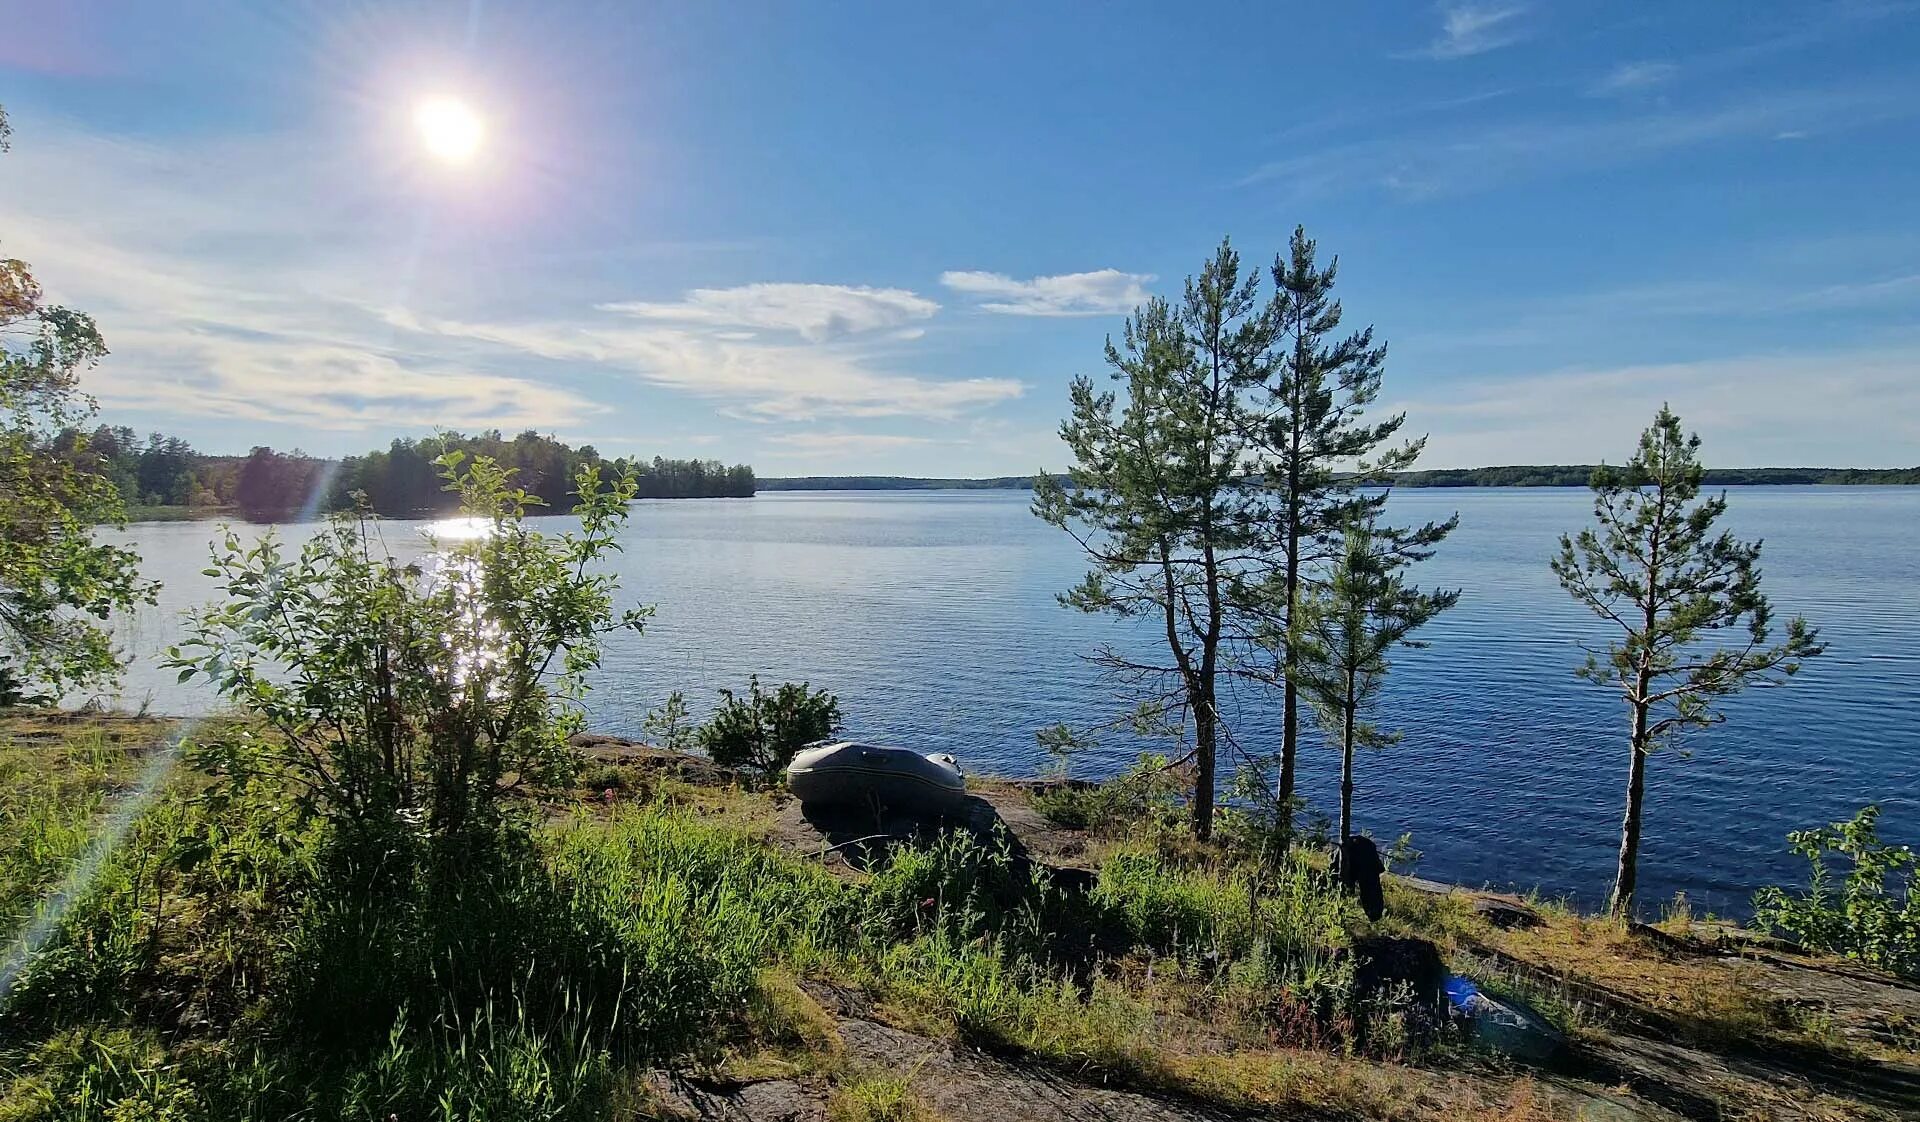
1656	571
57	582
764	730
1343	632
407	694
1865	918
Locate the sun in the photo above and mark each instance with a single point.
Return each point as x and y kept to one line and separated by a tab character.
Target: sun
449	128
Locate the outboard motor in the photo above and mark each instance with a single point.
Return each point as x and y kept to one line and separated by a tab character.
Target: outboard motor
1356	861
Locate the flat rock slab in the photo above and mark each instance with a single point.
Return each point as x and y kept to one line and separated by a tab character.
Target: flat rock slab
762	1100
1502	909
1864	1004
962	1085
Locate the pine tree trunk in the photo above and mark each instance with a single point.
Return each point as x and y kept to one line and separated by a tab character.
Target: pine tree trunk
1621	905
1204	736
1290	695
1346	773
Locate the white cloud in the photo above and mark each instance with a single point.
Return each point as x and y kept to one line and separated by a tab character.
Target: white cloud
223	291
1472	29
1833	409
1101	292
815	312
241	279
761	381
1633	77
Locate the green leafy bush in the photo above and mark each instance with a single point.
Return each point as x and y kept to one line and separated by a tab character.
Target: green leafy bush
763	730
406	695
1862	917
1148	795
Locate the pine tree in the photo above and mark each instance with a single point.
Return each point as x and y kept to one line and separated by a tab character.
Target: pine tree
1655	569
1165	500
1318	451
1342	635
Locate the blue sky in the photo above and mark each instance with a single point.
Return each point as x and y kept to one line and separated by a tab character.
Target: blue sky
881	238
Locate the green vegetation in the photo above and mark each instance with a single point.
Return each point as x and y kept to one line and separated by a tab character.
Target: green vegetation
56	581
1204	498
219	966
398	697
402	480
1317	449
379	892
1864	918
1656	570
763	730
1340	639
169	480
229	960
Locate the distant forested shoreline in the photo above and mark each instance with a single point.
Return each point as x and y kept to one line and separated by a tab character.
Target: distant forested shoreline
163	477
1550	475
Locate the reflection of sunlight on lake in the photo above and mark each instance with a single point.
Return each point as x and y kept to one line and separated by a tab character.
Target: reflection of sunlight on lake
475	639
459	529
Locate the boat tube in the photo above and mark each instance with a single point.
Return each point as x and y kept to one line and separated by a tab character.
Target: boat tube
848	774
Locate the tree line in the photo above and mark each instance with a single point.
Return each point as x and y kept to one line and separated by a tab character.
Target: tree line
400	481
1229	492
1517	475
1578	475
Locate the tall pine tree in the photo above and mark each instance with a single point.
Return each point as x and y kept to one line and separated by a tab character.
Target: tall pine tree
1655	569
1165	499
1318	452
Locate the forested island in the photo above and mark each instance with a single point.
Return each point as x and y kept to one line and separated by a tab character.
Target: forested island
165	477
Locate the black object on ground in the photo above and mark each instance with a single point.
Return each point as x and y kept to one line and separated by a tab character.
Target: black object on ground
1356	861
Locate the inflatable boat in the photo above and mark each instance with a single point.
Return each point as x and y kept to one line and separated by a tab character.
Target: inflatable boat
847	774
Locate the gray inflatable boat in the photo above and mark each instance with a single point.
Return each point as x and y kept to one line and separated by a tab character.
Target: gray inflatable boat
848	774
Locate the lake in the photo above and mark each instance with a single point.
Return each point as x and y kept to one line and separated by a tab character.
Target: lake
932	615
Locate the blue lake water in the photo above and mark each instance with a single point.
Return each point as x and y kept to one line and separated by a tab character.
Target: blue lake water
932	615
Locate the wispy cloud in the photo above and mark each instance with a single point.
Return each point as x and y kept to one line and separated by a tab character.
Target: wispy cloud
1472	29
223	292
1578	319
236	280
1793	409
1632	78
1101	292
1477	156
753	379
816	312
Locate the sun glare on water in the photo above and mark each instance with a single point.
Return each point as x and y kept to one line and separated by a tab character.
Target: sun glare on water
449	128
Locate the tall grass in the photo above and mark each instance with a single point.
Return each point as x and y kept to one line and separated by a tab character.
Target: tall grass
234	959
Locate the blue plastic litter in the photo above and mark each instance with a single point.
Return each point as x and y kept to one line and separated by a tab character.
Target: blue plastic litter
1461	993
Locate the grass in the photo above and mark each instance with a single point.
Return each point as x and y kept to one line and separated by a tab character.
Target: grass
233	960
877	1099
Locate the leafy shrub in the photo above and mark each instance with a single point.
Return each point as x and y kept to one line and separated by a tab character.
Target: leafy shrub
1150	794
1862	918
763	730
402	694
